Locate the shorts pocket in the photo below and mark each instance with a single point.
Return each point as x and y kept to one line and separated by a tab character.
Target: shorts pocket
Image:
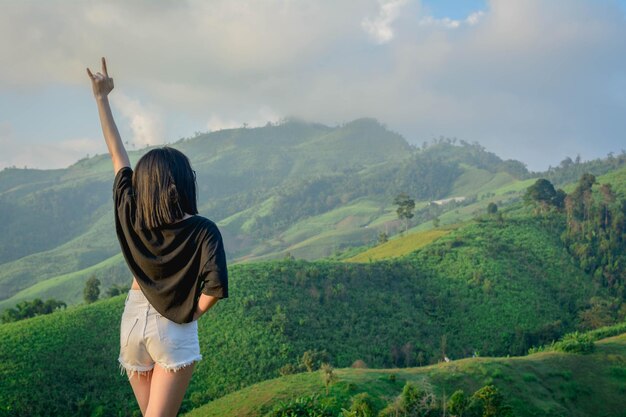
126	328
175	334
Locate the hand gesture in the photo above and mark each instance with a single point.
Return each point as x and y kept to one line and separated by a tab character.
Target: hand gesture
101	83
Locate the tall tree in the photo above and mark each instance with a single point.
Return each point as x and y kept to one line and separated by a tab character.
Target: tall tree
542	192
92	289
406	205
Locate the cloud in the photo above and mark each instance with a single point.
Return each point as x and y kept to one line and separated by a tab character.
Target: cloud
146	124
39	154
380	27
263	116
530	79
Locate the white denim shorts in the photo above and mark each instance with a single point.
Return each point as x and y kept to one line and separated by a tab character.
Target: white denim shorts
147	337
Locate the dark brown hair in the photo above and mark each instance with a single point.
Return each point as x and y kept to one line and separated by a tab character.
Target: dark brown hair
165	187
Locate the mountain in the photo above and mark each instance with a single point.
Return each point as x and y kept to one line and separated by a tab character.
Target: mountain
293	189
487	284
299	188
488	287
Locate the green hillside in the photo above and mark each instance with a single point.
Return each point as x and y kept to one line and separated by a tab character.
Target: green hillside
300	189
399	247
296	188
494	287
546	384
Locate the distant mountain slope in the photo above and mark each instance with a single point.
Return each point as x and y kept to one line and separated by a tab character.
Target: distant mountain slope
299	189
258	184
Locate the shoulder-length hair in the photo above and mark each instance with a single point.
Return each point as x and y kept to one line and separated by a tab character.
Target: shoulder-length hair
165	187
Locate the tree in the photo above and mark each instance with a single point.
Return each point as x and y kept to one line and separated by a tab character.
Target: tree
92	289
457	403
559	199
416	400
406	205
312	359
26	309
492	401
407	352
542	192
117	289
436	222
492	208
362	405
328	375
420	358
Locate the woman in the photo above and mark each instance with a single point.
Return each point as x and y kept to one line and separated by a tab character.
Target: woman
177	259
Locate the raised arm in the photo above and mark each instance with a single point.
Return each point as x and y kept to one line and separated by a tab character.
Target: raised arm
102	85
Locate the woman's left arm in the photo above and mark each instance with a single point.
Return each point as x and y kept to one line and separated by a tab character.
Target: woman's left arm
102	85
205	302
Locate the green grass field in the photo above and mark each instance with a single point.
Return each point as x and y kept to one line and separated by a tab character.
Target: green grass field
400	246
542	384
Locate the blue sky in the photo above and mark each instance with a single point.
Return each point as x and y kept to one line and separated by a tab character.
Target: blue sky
535	80
454	9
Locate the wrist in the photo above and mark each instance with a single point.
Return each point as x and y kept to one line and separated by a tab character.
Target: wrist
101	97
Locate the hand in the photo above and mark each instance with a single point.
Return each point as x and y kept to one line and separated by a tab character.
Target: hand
101	83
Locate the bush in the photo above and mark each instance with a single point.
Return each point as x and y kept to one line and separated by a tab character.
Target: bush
576	343
571	343
308	406
362	405
491	401
359	363
288	369
457	403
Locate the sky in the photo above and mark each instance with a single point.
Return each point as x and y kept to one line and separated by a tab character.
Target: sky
533	80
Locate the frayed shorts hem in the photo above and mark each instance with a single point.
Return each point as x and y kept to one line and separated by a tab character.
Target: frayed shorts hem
145	370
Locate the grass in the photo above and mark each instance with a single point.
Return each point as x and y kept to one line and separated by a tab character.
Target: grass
618	180
547	384
67	287
400	246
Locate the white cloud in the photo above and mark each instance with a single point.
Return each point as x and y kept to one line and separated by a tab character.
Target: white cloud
146	124
263	116
474	18
518	74
379	28
48	155
444	22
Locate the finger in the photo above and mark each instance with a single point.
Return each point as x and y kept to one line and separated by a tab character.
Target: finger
90	74
104	67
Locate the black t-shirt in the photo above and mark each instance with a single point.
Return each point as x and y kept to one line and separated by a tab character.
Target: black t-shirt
173	263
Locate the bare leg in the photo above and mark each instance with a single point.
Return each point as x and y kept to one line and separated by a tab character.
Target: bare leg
141	388
168	390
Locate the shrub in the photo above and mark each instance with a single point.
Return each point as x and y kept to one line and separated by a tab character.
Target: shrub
457	403
308	406
359	364
576	343
362	405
